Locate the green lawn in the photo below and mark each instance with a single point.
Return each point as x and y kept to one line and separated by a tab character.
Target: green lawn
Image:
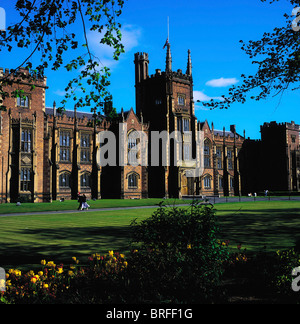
275	225
25	240
73	205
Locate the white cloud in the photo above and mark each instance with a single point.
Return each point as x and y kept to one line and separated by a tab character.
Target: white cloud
201	96
130	36
222	82
130	39
60	93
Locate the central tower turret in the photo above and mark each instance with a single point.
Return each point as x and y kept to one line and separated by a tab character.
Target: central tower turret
166	102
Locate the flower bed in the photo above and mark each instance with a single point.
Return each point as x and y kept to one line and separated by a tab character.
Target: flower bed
112	279
56	282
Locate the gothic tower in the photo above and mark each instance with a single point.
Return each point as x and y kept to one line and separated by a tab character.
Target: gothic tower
166	102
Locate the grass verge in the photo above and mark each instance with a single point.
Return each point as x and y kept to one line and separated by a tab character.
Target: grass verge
73	205
25	240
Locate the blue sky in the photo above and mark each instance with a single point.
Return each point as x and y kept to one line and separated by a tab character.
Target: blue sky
211	30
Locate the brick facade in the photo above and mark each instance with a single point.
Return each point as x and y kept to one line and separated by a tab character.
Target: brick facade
21	140
47	156
166	101
221	174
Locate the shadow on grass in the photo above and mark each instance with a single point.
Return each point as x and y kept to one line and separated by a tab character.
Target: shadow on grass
271	228
61	244
253	228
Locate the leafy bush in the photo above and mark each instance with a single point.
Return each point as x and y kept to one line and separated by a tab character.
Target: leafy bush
179	258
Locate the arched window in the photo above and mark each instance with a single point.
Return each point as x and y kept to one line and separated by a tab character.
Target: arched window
133	181
231	183
23	102
64	180
26	141
207	149
207	182
25	184
85	180
65	146
133	151
220	183
85	148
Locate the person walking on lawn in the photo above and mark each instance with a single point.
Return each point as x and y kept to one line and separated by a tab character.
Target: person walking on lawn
80	200
84	203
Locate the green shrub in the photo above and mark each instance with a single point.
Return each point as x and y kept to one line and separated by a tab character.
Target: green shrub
179	258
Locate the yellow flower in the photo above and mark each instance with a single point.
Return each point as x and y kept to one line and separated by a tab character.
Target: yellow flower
60	270
15	272
122	256
125	264
33	280
45	286
189	246
43	262
51	264
8	283
74	259
70	273
111	253
40	273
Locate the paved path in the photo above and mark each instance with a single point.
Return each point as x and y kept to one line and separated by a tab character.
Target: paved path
82	211
212	200
217	200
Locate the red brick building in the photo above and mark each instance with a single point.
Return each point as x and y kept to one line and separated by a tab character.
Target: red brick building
22	147
166	100
221	174
162	150
49	156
